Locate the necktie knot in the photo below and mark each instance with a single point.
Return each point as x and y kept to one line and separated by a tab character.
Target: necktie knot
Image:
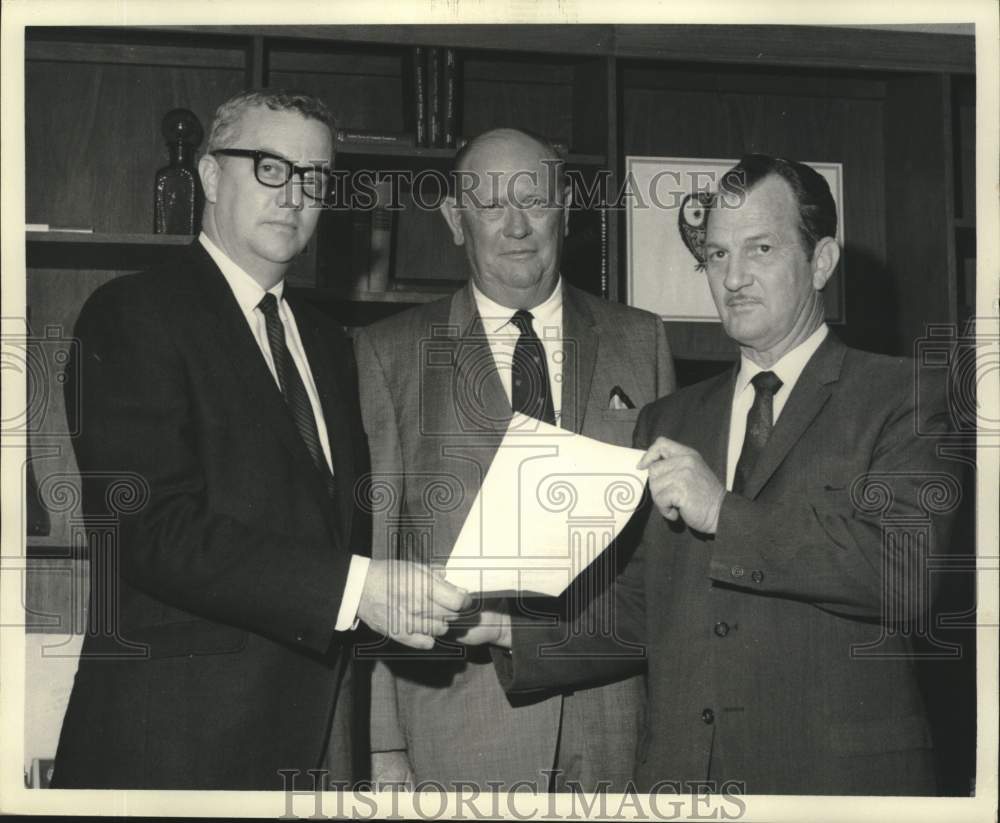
766	382
268	305
522	319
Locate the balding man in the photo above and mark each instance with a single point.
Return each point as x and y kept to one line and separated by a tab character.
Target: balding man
439	384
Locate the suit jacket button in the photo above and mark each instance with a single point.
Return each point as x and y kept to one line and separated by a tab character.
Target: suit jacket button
736	571
721	629
707	717
757	576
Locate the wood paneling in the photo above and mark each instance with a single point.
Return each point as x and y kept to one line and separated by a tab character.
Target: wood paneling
93	141
814	46
920	206
358	101
534	94
555	39
750	45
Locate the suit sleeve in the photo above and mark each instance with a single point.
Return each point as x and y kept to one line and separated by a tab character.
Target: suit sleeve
600	643
834	548
379	416
139	423
666	379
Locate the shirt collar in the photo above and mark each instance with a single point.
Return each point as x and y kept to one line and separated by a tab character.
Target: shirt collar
495	317
789	366
247	291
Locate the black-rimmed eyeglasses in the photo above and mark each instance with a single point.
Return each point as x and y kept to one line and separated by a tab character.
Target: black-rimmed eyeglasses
274	171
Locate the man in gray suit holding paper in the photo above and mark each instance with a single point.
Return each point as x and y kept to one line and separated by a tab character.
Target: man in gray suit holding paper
438	385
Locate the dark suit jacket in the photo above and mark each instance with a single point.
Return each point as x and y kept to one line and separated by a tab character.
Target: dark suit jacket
226	573
435	411
778	648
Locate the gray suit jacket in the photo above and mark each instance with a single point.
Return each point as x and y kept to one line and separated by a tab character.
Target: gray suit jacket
435	411
780	649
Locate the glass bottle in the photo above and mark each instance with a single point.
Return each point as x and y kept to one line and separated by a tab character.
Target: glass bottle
177	193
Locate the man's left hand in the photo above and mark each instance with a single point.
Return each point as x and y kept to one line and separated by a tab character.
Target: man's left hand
682	485
489	624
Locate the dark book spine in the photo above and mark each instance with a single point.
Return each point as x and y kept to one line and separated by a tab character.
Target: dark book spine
361	244
433	96
604	252
380	250
420	95
450	95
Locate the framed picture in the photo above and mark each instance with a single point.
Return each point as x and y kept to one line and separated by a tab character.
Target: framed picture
663	217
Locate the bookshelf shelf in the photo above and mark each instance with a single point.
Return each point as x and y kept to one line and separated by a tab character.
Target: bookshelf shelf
607	91
108	239
396	295
420	153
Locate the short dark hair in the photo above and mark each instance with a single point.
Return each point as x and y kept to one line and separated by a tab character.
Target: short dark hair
229	114
817	209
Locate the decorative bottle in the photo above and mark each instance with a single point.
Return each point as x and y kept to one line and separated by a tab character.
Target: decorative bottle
177	194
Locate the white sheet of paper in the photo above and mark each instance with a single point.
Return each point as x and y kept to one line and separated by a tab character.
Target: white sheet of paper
551	502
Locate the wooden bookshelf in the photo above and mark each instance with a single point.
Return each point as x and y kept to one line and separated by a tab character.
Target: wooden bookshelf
607	90
108	239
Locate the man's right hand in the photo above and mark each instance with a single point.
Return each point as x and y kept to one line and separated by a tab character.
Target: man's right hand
409	603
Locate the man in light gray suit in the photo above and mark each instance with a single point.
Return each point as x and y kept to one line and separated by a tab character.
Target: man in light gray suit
438	386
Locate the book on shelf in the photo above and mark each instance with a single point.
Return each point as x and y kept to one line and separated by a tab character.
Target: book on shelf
380	248
416	116
604	252
370	137
449	99
434	72
360	248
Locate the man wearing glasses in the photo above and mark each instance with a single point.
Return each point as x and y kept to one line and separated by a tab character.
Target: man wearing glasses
241	567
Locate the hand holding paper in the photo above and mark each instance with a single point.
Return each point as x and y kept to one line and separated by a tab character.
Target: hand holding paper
682	485
551	502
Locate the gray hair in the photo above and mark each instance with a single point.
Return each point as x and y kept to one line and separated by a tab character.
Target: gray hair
228	115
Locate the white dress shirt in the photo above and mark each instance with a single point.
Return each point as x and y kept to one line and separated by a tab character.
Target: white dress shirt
788	369
547	322
248	293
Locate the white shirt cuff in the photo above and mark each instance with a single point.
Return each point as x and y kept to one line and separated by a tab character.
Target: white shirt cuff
347	617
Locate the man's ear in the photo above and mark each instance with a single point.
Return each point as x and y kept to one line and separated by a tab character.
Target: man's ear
450	212
208	171
824	261
567	202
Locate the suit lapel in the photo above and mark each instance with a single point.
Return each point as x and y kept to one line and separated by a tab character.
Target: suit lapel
479	399
707	429
810	394
320	358
237	341
580	344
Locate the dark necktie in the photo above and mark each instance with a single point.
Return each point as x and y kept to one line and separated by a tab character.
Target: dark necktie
293	389
530	392
760	423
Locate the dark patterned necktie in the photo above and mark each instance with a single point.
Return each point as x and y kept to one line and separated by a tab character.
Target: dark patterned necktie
760	423
530	393
294	390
